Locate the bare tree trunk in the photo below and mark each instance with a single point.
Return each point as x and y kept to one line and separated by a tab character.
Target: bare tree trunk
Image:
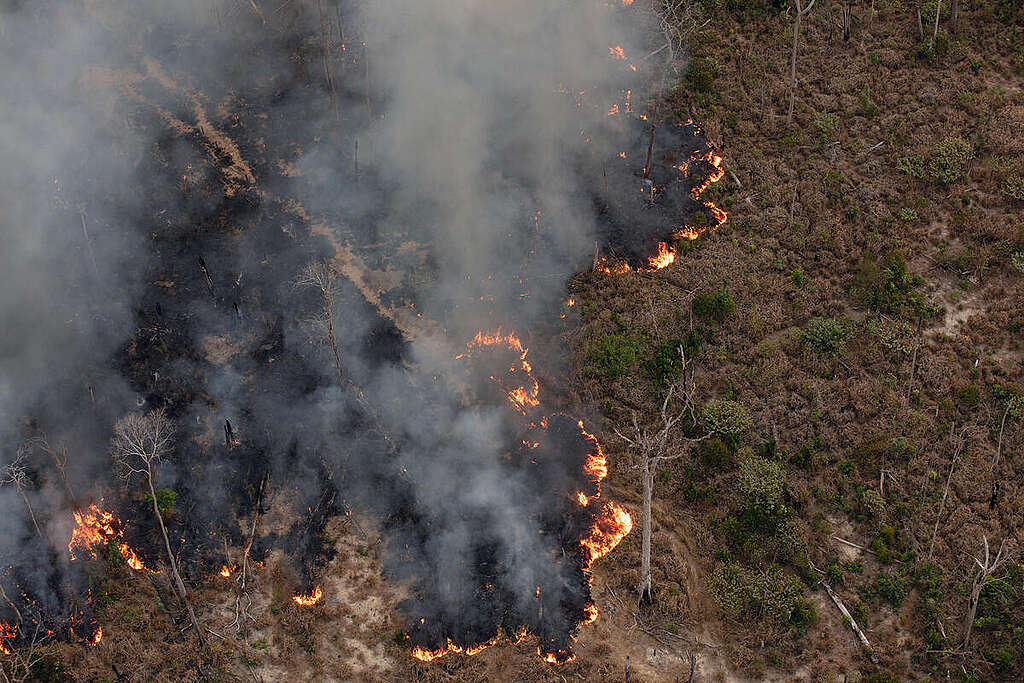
645	596
986	568
179	585
31	512
935	33
330	334
920	25
1002	425
954	14
910	380
792	66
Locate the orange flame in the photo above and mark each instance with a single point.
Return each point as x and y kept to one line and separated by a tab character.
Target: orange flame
224	571
311	599
521	397
7	632
665	257
617	52
95	527
96	637
611	527
592	613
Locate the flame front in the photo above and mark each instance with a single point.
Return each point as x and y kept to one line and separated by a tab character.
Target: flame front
310	599
96	637
94	527
610	524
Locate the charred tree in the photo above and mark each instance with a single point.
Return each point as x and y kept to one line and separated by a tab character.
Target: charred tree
140	442
16	474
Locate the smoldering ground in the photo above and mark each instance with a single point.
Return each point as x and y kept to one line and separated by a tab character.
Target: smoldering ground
169	170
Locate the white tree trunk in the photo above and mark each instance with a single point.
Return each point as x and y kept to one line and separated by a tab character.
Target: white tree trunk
179	585
645	594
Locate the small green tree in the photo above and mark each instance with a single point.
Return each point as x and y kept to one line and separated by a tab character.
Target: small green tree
825	336
950	159
727	418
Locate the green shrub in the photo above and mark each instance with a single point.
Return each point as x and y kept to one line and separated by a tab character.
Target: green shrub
727	418
612	356
165	500
908	215
892	588
715	455
665	363
701	74
883	284
913	166
770	595
969	396
762	483
827	124
1017	261
799	277
1013	187
825	336
717	305
949	160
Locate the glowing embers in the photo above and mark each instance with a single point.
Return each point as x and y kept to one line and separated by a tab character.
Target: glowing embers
310	599
94	527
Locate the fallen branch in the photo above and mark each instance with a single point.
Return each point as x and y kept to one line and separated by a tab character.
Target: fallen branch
849	617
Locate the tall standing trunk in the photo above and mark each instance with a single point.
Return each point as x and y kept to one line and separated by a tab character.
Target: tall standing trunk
792	66
645	593
179	585
31	512
972	606
954	14
935	32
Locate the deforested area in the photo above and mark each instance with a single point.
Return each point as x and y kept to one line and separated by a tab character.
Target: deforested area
475	340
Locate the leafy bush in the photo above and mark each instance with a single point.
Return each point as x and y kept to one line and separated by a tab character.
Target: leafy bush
701	74
165	500
1014	187
762	483
827	124
884	284
892	588
771	595
949	160
913	166
665	363
969	396
908	215
1017	260
612	356
715	455
825	336
799	277
725	417
717	305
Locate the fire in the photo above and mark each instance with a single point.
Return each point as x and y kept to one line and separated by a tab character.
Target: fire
224	571
521	397
665	257
96	527
617	52
571	301
7	632
311	599
611	527
96	637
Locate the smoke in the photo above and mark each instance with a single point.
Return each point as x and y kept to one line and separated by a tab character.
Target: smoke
170	168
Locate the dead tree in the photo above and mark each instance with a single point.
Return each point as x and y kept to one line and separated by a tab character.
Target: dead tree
653	447
987	566
959	441
846	20
59	454
954	14
320	276
801	11
935	33
140	442
16	474
1014	407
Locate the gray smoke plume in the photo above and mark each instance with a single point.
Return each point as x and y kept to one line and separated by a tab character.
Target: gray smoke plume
169	169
